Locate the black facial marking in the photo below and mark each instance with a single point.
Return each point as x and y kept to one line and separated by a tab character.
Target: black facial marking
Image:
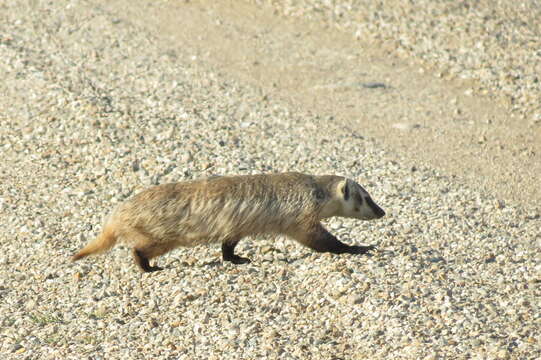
345	190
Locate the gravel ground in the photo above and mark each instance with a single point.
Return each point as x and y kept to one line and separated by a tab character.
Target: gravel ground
96	109
494	44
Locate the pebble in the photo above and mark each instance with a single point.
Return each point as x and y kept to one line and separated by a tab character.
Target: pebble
373	85
406	126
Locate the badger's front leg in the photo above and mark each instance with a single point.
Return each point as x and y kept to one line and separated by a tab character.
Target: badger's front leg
319	239
228	252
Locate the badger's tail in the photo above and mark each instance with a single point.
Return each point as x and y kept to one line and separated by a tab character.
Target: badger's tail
106	240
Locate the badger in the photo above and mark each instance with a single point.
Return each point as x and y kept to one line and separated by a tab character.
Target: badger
225	209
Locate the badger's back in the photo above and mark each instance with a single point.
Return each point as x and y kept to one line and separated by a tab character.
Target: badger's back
211	210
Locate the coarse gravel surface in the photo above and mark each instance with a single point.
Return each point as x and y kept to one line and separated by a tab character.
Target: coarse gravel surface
95	108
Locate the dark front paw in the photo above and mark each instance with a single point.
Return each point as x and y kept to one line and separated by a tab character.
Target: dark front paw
235	259
154	269
149	269
360	249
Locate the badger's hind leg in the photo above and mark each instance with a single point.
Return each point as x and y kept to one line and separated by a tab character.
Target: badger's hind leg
142	261
319	239
148	251
146	248
228	252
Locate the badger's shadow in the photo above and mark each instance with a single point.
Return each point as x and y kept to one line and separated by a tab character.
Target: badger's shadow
372	251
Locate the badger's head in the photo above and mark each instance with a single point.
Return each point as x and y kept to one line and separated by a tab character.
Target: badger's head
349	199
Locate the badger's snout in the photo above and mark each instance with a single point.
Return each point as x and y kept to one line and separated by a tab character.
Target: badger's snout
376	210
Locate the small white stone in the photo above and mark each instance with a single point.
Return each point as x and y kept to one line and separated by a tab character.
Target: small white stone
406	126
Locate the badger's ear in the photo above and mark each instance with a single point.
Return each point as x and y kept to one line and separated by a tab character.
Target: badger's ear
343	189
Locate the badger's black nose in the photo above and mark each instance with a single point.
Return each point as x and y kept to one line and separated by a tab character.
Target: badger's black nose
379	212
375	208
